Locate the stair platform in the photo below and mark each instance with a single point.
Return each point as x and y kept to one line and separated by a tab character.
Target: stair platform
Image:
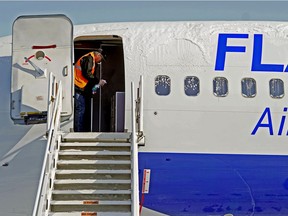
96	137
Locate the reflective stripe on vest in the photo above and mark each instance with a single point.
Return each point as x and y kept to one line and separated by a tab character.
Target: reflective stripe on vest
79	79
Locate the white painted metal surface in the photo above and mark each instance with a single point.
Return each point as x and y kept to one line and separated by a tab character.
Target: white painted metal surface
41	44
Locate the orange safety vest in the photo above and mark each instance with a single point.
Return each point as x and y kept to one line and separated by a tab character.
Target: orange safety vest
79	79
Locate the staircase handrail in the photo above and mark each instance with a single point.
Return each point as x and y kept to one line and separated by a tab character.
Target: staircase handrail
42	200
134	159
52	89
139	112
139	107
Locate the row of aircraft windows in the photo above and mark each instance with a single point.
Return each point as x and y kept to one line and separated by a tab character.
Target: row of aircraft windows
220	86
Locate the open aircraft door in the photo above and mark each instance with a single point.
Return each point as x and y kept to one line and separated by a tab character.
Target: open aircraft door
40	45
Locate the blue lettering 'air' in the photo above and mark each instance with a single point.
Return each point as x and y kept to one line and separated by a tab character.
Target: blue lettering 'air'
223	48
257	56
283	118
267	125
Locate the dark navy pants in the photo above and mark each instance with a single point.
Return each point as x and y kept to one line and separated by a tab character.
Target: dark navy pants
79	112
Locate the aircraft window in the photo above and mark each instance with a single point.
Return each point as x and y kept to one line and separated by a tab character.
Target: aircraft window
191	86
162	85
276	88
40	55
220	86
248	86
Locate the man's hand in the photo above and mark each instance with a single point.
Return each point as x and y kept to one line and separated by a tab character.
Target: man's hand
102	82
95	87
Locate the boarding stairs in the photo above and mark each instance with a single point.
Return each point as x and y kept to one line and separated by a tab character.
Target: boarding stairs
93	175
89	174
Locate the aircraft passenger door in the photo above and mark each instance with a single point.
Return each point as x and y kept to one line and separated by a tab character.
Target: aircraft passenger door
41	44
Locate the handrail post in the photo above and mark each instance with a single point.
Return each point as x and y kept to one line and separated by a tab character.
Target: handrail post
139	112
134	164
141	93
51	96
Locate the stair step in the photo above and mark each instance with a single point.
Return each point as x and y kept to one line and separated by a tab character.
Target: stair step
81	202
90	214
94	164
93	171
91	144
96	137
94	181
102	206
95	146
91	195
94	155
105	152
92	192
80	184
93	174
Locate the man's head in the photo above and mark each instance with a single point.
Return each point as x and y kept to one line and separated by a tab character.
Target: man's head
98	56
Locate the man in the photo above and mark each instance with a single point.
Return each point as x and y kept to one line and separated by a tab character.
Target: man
84	78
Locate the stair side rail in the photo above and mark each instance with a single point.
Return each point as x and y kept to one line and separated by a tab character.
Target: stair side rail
44	192
52	89
134	158
139	112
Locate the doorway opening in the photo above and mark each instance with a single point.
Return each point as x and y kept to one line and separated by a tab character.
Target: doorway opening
105	112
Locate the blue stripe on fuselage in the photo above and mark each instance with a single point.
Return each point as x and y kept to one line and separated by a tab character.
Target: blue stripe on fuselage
216	184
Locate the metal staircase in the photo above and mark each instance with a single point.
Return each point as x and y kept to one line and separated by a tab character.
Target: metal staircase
93	175
89	174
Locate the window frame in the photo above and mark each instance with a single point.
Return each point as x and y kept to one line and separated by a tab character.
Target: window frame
246	96
214	87
168	84
185	86
277	97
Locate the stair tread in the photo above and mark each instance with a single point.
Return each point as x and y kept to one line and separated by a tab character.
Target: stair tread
84	171
96	136
85	161
101	202
90	181
105	152
91	191
94	144
98	213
